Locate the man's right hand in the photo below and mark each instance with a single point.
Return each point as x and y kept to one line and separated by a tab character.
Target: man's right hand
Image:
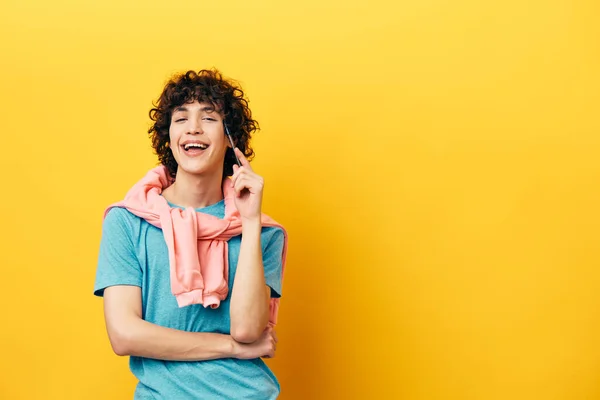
265	346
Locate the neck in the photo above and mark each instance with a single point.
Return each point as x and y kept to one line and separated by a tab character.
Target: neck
194	190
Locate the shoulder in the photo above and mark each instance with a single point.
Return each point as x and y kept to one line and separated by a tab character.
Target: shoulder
116	215
120	219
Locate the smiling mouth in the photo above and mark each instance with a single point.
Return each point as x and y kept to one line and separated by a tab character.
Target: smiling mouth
194	146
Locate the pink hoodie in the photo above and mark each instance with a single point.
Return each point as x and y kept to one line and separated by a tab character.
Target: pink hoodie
197	242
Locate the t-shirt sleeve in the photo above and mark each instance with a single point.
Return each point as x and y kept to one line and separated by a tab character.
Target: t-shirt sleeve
117	260
273	261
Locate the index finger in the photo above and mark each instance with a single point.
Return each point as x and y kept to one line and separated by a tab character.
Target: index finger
242	158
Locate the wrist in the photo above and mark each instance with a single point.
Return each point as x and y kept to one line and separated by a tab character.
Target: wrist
253	223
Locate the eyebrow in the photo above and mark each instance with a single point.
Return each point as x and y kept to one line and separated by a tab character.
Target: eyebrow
204	109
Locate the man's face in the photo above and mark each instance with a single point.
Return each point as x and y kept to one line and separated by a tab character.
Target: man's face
197	138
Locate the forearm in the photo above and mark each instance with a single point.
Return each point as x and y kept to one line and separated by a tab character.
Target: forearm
137	337
249	308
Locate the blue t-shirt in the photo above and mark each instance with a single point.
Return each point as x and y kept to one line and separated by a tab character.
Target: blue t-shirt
134	252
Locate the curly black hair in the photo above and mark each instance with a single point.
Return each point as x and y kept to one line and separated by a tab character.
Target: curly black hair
206	86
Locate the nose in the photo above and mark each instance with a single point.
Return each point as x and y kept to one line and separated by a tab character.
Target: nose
195	127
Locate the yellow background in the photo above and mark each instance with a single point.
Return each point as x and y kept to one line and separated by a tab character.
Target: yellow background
435	162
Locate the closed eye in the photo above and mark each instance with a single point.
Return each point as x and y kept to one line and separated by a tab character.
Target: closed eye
209	119
180	120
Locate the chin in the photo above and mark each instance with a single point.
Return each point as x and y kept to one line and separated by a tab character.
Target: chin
198	169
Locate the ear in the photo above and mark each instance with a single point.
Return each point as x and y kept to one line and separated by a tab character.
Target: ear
229	139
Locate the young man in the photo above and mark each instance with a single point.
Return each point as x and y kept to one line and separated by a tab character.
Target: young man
189	267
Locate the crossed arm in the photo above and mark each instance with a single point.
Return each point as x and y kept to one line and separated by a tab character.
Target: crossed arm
250	337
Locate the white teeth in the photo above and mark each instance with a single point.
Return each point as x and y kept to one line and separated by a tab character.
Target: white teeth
201	146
